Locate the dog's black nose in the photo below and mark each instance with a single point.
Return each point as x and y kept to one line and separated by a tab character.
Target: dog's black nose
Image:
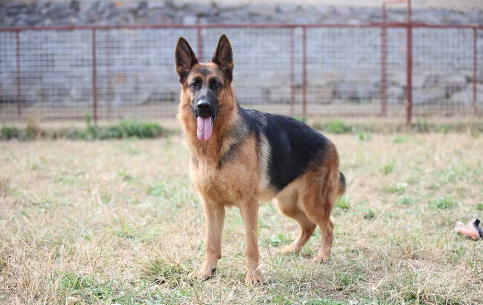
204	105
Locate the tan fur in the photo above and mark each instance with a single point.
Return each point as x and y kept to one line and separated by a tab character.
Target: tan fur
244	181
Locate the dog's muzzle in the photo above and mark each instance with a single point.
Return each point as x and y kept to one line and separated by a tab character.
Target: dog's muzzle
205	114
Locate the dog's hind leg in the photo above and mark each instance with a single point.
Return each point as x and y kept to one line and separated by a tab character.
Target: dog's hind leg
306	230
319	194
327	232
287	204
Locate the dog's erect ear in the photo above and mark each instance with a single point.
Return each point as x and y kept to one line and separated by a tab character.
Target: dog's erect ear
224	57
185	59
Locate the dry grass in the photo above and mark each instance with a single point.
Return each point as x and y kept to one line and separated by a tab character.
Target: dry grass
118	222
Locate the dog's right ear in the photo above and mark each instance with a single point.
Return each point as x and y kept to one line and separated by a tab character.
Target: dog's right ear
185	59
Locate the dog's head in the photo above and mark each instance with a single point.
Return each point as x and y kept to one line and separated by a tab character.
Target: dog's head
205	85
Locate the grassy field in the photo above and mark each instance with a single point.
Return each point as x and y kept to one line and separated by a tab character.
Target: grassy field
118	222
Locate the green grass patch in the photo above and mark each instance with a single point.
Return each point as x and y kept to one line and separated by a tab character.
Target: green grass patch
126	230
343	203
388	168
163	271
8	133
301	119
122	130
323	302
362	136
399	138
348	278
86	288
444	203
421	126
406	200
124	175
398	188
362	131
89	290
368	214
162	189
278	240
337	127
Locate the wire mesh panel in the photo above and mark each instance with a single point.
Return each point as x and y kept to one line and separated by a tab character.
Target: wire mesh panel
393	88
316	70
343	71
263	65
10	90
442	71
54	73
136	72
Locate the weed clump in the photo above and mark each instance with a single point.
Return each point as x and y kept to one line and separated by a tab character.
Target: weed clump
122	130
343	203
406	200
162	271
444	203
337	127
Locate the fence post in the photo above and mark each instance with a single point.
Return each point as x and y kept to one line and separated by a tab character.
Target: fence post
304	72
200	44
94	77
19	86
409	67
383	61
475	69
292	72
108	72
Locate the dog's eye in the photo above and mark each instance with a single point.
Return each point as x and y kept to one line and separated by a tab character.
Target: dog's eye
194	85
216	85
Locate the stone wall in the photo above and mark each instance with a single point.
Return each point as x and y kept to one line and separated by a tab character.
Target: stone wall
136	66
98	12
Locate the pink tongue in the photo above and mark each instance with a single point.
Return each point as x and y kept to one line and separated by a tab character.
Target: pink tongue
204	128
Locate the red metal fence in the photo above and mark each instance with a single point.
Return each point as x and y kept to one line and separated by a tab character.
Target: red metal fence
383	69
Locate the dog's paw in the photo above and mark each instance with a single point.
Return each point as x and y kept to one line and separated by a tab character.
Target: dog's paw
290	250
253	279
321	259
203	274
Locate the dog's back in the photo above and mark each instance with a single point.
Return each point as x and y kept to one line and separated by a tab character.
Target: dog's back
294	146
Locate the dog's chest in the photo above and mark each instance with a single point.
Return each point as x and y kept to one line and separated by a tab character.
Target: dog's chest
233	183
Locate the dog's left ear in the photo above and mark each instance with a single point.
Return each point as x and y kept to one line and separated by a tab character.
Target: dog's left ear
224	57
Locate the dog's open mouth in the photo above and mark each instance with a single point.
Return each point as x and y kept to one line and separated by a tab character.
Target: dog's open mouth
204	127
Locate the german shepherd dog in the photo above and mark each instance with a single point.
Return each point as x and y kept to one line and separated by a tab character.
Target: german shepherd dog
240	157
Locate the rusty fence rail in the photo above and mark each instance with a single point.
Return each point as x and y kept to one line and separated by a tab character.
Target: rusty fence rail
110	72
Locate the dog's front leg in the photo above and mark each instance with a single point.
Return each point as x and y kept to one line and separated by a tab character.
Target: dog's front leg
214	217
249	213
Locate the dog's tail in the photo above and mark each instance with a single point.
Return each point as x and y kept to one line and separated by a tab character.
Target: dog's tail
342	183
